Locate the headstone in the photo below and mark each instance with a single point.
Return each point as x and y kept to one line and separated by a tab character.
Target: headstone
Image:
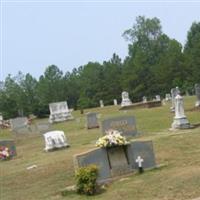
115	102
118	160
125	99
59	112
197	92
55	140
98	157
92	121
174	92
144	99
158	98
101	103
168	97
10	145
180	120
1	120
124	124
144	149
20	125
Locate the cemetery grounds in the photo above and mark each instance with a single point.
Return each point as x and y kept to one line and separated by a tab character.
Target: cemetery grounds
177	152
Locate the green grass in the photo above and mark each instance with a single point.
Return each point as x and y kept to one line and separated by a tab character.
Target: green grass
179	151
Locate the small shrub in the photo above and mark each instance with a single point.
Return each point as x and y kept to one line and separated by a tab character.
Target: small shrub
86	180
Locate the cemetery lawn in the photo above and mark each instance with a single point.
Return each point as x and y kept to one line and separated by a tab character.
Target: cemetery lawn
178	152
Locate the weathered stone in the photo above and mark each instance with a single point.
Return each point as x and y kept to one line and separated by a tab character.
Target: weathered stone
92	121
20	125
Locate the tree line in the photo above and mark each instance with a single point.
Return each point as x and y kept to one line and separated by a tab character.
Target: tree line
155	63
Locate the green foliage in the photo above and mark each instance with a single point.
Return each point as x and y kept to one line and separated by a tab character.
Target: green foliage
86	180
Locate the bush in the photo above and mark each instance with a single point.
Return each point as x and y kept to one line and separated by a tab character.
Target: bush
86	180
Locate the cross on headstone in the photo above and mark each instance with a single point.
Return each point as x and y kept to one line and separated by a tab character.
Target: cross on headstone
139	161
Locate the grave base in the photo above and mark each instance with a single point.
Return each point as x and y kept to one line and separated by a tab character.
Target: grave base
148	104
181	123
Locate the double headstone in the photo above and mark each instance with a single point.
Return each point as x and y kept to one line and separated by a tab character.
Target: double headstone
59	112
197	92
118	160
180	120
55	140
125	99
92	121
125	124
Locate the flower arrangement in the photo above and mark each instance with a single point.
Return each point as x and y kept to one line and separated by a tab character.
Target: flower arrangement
113	138
5	153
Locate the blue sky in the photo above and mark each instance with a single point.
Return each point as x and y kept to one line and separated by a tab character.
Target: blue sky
36	34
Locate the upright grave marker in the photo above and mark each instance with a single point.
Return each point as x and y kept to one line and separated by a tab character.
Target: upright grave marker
197	92
59	112
92	121
101	103
20	125
55	140
115	102
124	124
180	120
125	99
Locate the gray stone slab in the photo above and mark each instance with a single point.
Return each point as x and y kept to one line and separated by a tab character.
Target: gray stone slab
144	149
10	145
124	124
92	121
20	125
98	157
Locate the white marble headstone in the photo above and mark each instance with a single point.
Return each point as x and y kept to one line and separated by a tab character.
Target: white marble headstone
197	92
101	103
115	102
125	99
168	97
59	111
144	99
54	140
158	98
180	120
